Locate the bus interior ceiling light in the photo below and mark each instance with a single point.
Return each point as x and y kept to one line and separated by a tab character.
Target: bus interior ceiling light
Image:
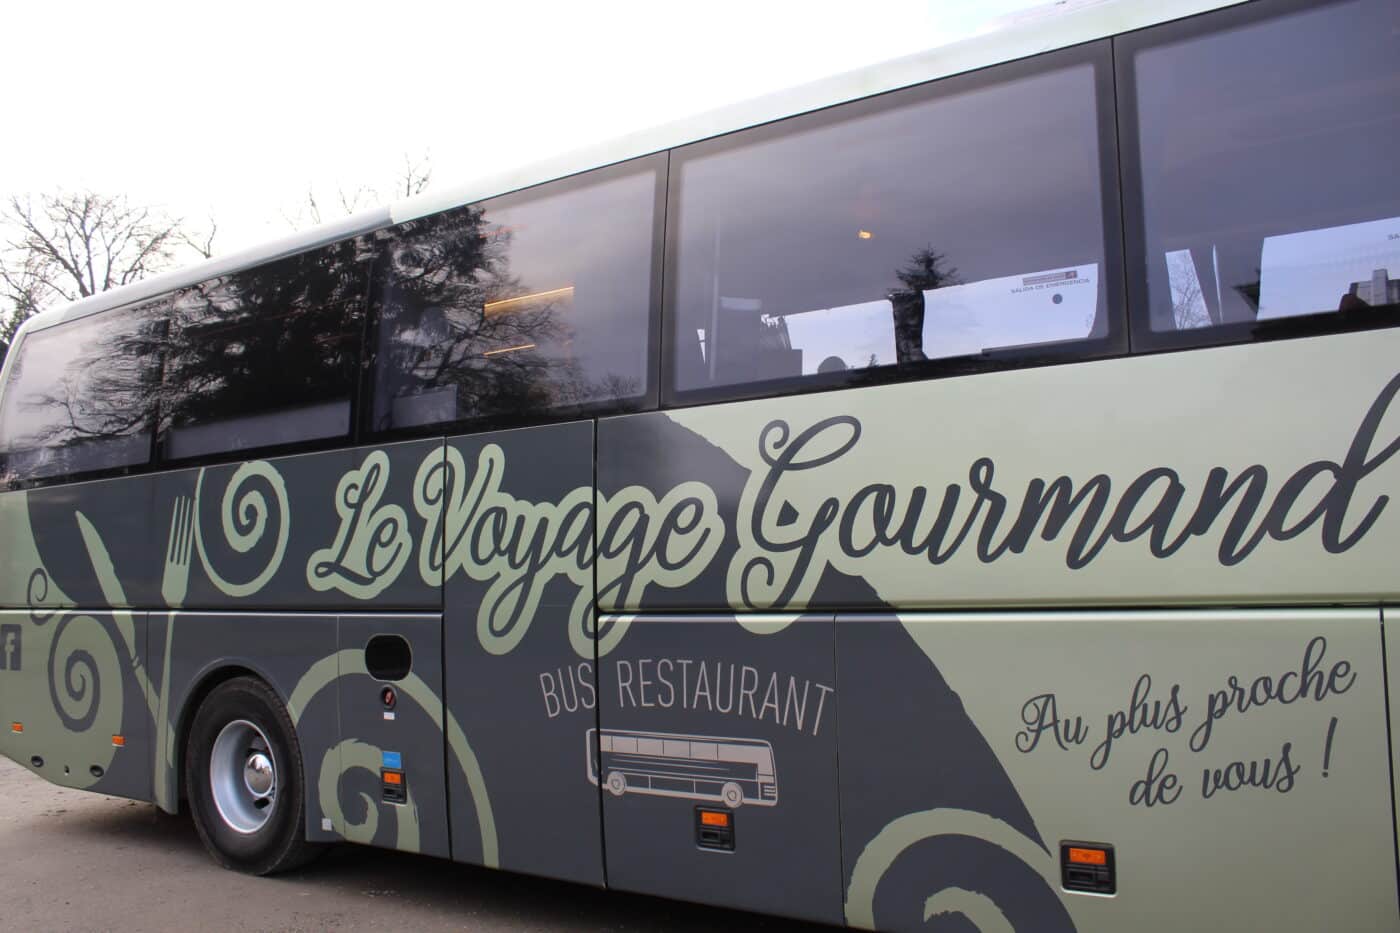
865	234
506	305
499	351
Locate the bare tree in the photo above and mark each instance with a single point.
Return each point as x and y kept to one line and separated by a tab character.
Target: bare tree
926	270
1188	302
70	245
413	177
21	290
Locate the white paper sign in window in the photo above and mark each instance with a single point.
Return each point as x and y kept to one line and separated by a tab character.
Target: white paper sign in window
1314	270
1011	311
850	337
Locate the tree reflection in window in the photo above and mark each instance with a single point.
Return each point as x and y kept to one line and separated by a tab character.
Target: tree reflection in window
517	307
268	356
81	396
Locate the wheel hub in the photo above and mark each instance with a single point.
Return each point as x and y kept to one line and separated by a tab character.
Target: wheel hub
243	776
258	776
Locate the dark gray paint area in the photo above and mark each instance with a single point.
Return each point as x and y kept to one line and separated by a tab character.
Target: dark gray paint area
786	858
121	512
525	712
129	774
654	452
907	745
412	734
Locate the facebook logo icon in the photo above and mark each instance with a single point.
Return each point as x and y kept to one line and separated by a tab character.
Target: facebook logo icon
9	647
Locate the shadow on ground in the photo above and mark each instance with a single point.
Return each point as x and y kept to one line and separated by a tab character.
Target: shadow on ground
92	862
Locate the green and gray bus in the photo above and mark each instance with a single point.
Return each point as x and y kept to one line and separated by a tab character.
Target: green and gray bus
1002	440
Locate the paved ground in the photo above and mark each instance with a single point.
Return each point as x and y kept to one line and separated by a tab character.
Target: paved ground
77	861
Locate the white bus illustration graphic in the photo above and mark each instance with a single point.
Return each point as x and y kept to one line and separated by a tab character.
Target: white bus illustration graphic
696	767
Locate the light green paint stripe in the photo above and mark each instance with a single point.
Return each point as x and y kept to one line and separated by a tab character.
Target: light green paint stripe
891	842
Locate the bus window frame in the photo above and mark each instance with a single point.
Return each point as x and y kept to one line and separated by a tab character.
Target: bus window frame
1135	233
152	462
163	460
1098	54
659	163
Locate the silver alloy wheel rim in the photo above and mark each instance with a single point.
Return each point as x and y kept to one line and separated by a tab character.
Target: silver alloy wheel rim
243	776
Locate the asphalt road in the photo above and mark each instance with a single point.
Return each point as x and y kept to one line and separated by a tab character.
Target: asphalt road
71	860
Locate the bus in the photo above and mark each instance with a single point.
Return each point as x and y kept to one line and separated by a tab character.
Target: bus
697	767
1004	436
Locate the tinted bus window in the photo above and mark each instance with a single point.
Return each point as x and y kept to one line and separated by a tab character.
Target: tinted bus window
80	397
1269	192
962	221
266	357
521	305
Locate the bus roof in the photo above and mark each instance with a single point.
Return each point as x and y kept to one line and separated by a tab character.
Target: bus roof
1040	29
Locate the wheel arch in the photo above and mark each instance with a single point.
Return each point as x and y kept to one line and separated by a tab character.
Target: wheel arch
206	683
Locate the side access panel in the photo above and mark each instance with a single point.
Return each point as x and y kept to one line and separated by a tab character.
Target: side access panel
732	718
73	699
295	653
1235	761
1390	632
389	790
521	682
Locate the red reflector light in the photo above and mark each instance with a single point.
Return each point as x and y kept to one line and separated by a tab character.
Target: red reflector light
16	727
713	818
118	741
1088	856
392	777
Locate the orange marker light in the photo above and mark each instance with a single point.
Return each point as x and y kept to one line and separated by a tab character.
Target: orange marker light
16	727
1088	856
711	818
393	777
119	741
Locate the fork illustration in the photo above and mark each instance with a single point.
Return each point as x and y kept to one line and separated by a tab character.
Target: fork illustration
177	554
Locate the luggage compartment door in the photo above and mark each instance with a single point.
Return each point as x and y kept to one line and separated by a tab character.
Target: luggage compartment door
391	791
716	760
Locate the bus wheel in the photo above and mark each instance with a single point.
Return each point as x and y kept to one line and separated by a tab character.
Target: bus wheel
617	783
244	780
733	795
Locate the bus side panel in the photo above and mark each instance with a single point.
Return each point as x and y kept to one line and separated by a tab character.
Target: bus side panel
737	718
291	533
73	699
85	544
521	682
333	530
1233	760
1040	487
295	653
390	754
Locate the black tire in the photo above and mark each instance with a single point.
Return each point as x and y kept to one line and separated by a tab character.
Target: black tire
279	842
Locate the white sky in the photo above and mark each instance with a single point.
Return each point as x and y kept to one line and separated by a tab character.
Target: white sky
234	110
